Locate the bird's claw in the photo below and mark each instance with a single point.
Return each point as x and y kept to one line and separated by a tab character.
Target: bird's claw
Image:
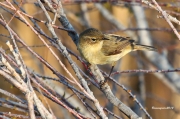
103	82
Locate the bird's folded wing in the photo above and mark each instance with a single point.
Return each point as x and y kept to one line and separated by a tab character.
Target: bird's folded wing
115	44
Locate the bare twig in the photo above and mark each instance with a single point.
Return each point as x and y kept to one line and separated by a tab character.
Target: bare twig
166	16
146	71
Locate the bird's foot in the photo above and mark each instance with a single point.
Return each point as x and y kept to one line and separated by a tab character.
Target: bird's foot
101	84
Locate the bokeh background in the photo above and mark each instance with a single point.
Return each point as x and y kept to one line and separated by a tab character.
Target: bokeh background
153	90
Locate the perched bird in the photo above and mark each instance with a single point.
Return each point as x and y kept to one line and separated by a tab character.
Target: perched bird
99	48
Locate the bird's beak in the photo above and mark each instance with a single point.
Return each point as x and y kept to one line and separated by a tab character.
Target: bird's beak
106	37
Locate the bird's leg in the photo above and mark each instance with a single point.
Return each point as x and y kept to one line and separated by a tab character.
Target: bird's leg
106	79
113	64
111	71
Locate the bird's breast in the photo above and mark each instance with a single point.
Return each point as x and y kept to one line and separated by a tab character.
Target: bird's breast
94	55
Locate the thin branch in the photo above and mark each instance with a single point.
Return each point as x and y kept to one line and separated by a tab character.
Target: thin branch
146	71
166	17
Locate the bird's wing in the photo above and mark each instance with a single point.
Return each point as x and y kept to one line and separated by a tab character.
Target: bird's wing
115	44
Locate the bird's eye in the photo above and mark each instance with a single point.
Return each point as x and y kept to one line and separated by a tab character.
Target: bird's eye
93	39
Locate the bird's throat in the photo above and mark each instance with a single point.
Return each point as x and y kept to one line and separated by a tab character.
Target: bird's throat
92	52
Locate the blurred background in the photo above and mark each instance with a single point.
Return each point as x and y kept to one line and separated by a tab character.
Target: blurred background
157	92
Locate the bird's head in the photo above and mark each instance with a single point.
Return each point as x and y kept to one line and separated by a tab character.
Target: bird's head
92	37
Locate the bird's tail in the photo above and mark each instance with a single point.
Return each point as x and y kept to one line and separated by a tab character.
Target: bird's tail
144	47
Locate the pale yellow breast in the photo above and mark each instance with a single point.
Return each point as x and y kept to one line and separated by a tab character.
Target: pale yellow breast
94	55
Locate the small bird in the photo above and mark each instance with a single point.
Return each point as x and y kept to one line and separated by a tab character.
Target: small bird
99	48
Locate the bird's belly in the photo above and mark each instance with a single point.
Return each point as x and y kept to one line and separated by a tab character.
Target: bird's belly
101	59
97	57
114	58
